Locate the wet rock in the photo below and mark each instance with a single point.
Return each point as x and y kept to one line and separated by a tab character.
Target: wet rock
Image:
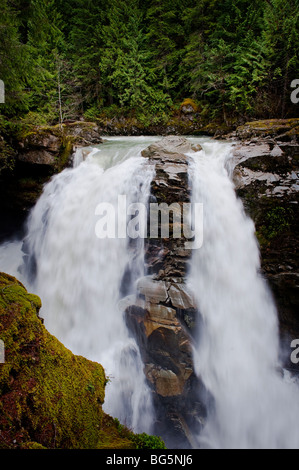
53	146
266	177
38	157
153	291
170	148
162	315
180	297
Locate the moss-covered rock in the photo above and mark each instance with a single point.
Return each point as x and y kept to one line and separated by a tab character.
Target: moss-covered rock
37	154
50	398
286	129
52	146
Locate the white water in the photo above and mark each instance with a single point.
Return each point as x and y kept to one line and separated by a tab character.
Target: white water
237	350
78	278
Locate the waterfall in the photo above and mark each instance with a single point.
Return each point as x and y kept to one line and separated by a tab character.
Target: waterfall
253	403
81	279
79	276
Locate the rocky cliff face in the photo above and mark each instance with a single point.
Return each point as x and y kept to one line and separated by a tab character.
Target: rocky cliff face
266	176
162	314
37	155
49	149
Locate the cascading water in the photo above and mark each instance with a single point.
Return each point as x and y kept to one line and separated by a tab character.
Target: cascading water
237	350
81	278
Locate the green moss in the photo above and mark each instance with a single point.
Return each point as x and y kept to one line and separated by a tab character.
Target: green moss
7	157
50	398
269	127
189	102
47	391
117	431
277	221
65	151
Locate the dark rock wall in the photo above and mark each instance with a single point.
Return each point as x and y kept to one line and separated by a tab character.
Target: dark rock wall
266	176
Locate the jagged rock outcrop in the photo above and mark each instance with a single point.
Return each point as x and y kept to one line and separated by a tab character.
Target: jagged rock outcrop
282	129
52	147
50	398
266	176
38	155
162	313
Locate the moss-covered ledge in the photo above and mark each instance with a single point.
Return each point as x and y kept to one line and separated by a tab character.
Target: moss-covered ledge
52	146
50	398
281	129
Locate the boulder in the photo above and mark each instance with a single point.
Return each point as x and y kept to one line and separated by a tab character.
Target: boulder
38	157
153	291
170	148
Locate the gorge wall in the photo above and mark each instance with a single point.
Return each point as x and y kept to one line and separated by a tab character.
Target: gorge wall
266	177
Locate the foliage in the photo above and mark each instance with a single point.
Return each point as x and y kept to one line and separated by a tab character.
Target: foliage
141	441
277	221
7	161
64	59
145	441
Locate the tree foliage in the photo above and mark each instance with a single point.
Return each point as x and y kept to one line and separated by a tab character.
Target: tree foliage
61	59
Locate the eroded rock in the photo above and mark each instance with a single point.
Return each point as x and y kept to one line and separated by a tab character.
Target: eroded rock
162	314
53	146
266	177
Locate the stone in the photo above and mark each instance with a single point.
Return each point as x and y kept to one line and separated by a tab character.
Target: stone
170	148
269	128
53	145
173	170
266	178
42	139
153	291
38	157
180	297
196	147
166	382
162	315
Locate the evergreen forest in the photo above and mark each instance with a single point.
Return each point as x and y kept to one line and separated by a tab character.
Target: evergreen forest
63	60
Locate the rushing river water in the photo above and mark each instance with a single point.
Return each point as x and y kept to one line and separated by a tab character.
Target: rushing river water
80	276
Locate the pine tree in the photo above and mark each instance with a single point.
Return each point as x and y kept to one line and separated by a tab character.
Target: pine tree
84	46
127	77
281	43
166	41
51	85
14	61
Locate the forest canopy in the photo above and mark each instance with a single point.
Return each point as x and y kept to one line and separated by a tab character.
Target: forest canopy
65	59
